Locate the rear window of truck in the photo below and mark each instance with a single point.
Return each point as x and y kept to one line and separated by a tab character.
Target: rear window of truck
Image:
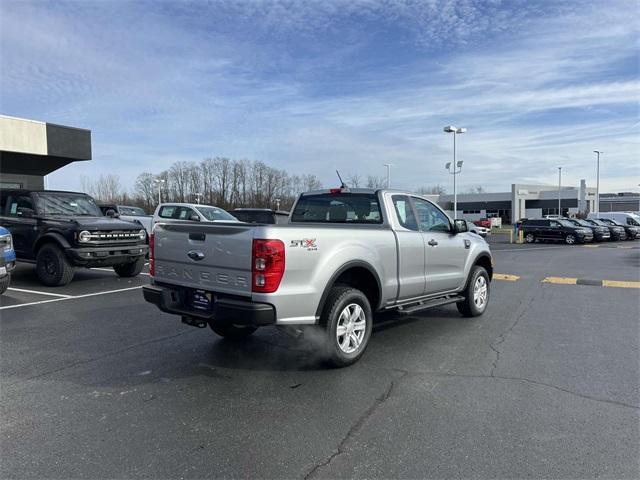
338	208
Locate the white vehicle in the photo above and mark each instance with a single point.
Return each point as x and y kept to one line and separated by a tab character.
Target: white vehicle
624	218
194	212
131	214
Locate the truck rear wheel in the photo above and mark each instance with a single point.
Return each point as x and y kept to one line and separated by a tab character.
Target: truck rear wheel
348	321
232	331
52	266
476	293
129	269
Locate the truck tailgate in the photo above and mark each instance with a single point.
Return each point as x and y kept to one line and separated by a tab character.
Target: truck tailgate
213	257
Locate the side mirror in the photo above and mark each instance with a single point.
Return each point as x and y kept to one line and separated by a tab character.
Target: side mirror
194	217
460	226
25	212
112	213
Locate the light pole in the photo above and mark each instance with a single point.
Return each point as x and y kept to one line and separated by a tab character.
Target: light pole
598	152
159	182
388	165
457	166
559	194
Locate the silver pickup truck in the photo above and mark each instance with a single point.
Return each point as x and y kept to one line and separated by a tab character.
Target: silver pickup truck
343	255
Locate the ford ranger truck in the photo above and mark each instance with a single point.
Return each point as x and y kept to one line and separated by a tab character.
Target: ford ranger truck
343	255
61	231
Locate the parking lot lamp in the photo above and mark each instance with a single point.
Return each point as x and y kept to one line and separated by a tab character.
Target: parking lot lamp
457	166
598	152
159	182
559	192
388	165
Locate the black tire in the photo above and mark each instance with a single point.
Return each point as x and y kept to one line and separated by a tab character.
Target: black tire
343	298
129	269
468	307
530	238
570	239
53	267
231	331
4	283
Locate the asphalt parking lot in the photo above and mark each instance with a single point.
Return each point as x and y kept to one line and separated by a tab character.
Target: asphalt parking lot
97	383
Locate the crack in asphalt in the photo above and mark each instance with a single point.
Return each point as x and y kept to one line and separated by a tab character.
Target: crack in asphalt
524	307
526	380
357	426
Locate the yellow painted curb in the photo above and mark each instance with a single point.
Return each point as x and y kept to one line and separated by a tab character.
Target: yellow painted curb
561	280
620	284
506	277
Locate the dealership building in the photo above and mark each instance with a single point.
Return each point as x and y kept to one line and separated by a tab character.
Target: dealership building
30	150
523	201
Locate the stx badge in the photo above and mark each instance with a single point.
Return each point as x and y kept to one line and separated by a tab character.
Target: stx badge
308	243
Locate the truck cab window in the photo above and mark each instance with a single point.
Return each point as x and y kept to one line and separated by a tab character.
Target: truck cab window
430	218
404	212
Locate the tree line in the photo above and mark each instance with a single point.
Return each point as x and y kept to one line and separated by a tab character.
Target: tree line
220	181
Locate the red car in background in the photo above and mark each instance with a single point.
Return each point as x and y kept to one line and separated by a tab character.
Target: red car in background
483	222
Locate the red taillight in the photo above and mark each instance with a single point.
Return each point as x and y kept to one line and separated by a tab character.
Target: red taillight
152	269
335	190
267	265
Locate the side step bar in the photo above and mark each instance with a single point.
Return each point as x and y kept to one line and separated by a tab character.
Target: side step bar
436	302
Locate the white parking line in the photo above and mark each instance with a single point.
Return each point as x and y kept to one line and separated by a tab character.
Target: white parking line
70	297
111	270
39	293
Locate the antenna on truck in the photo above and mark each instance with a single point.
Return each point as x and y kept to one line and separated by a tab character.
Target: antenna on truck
342	184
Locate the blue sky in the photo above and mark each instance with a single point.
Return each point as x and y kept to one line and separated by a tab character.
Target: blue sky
317	85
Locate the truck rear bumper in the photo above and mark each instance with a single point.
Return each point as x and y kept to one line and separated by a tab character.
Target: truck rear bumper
240	312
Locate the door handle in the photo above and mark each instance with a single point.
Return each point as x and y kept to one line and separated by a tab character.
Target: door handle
432	242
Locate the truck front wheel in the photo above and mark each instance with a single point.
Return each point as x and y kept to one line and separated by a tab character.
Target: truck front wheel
348	321
231	331
52	266
476	293
129	269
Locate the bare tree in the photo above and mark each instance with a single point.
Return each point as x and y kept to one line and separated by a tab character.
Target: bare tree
354	180
476	189
376	182
432	190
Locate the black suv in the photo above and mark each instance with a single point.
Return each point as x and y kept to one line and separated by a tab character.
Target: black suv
617	231
632	231
554	230
59	231
600	233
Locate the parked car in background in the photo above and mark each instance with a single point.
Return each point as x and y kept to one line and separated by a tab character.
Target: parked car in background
544	229
483	222
617	231
600	233
131	214
60	231
7	259
260	215
193	212
343	255
478	230
623	218
632	232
